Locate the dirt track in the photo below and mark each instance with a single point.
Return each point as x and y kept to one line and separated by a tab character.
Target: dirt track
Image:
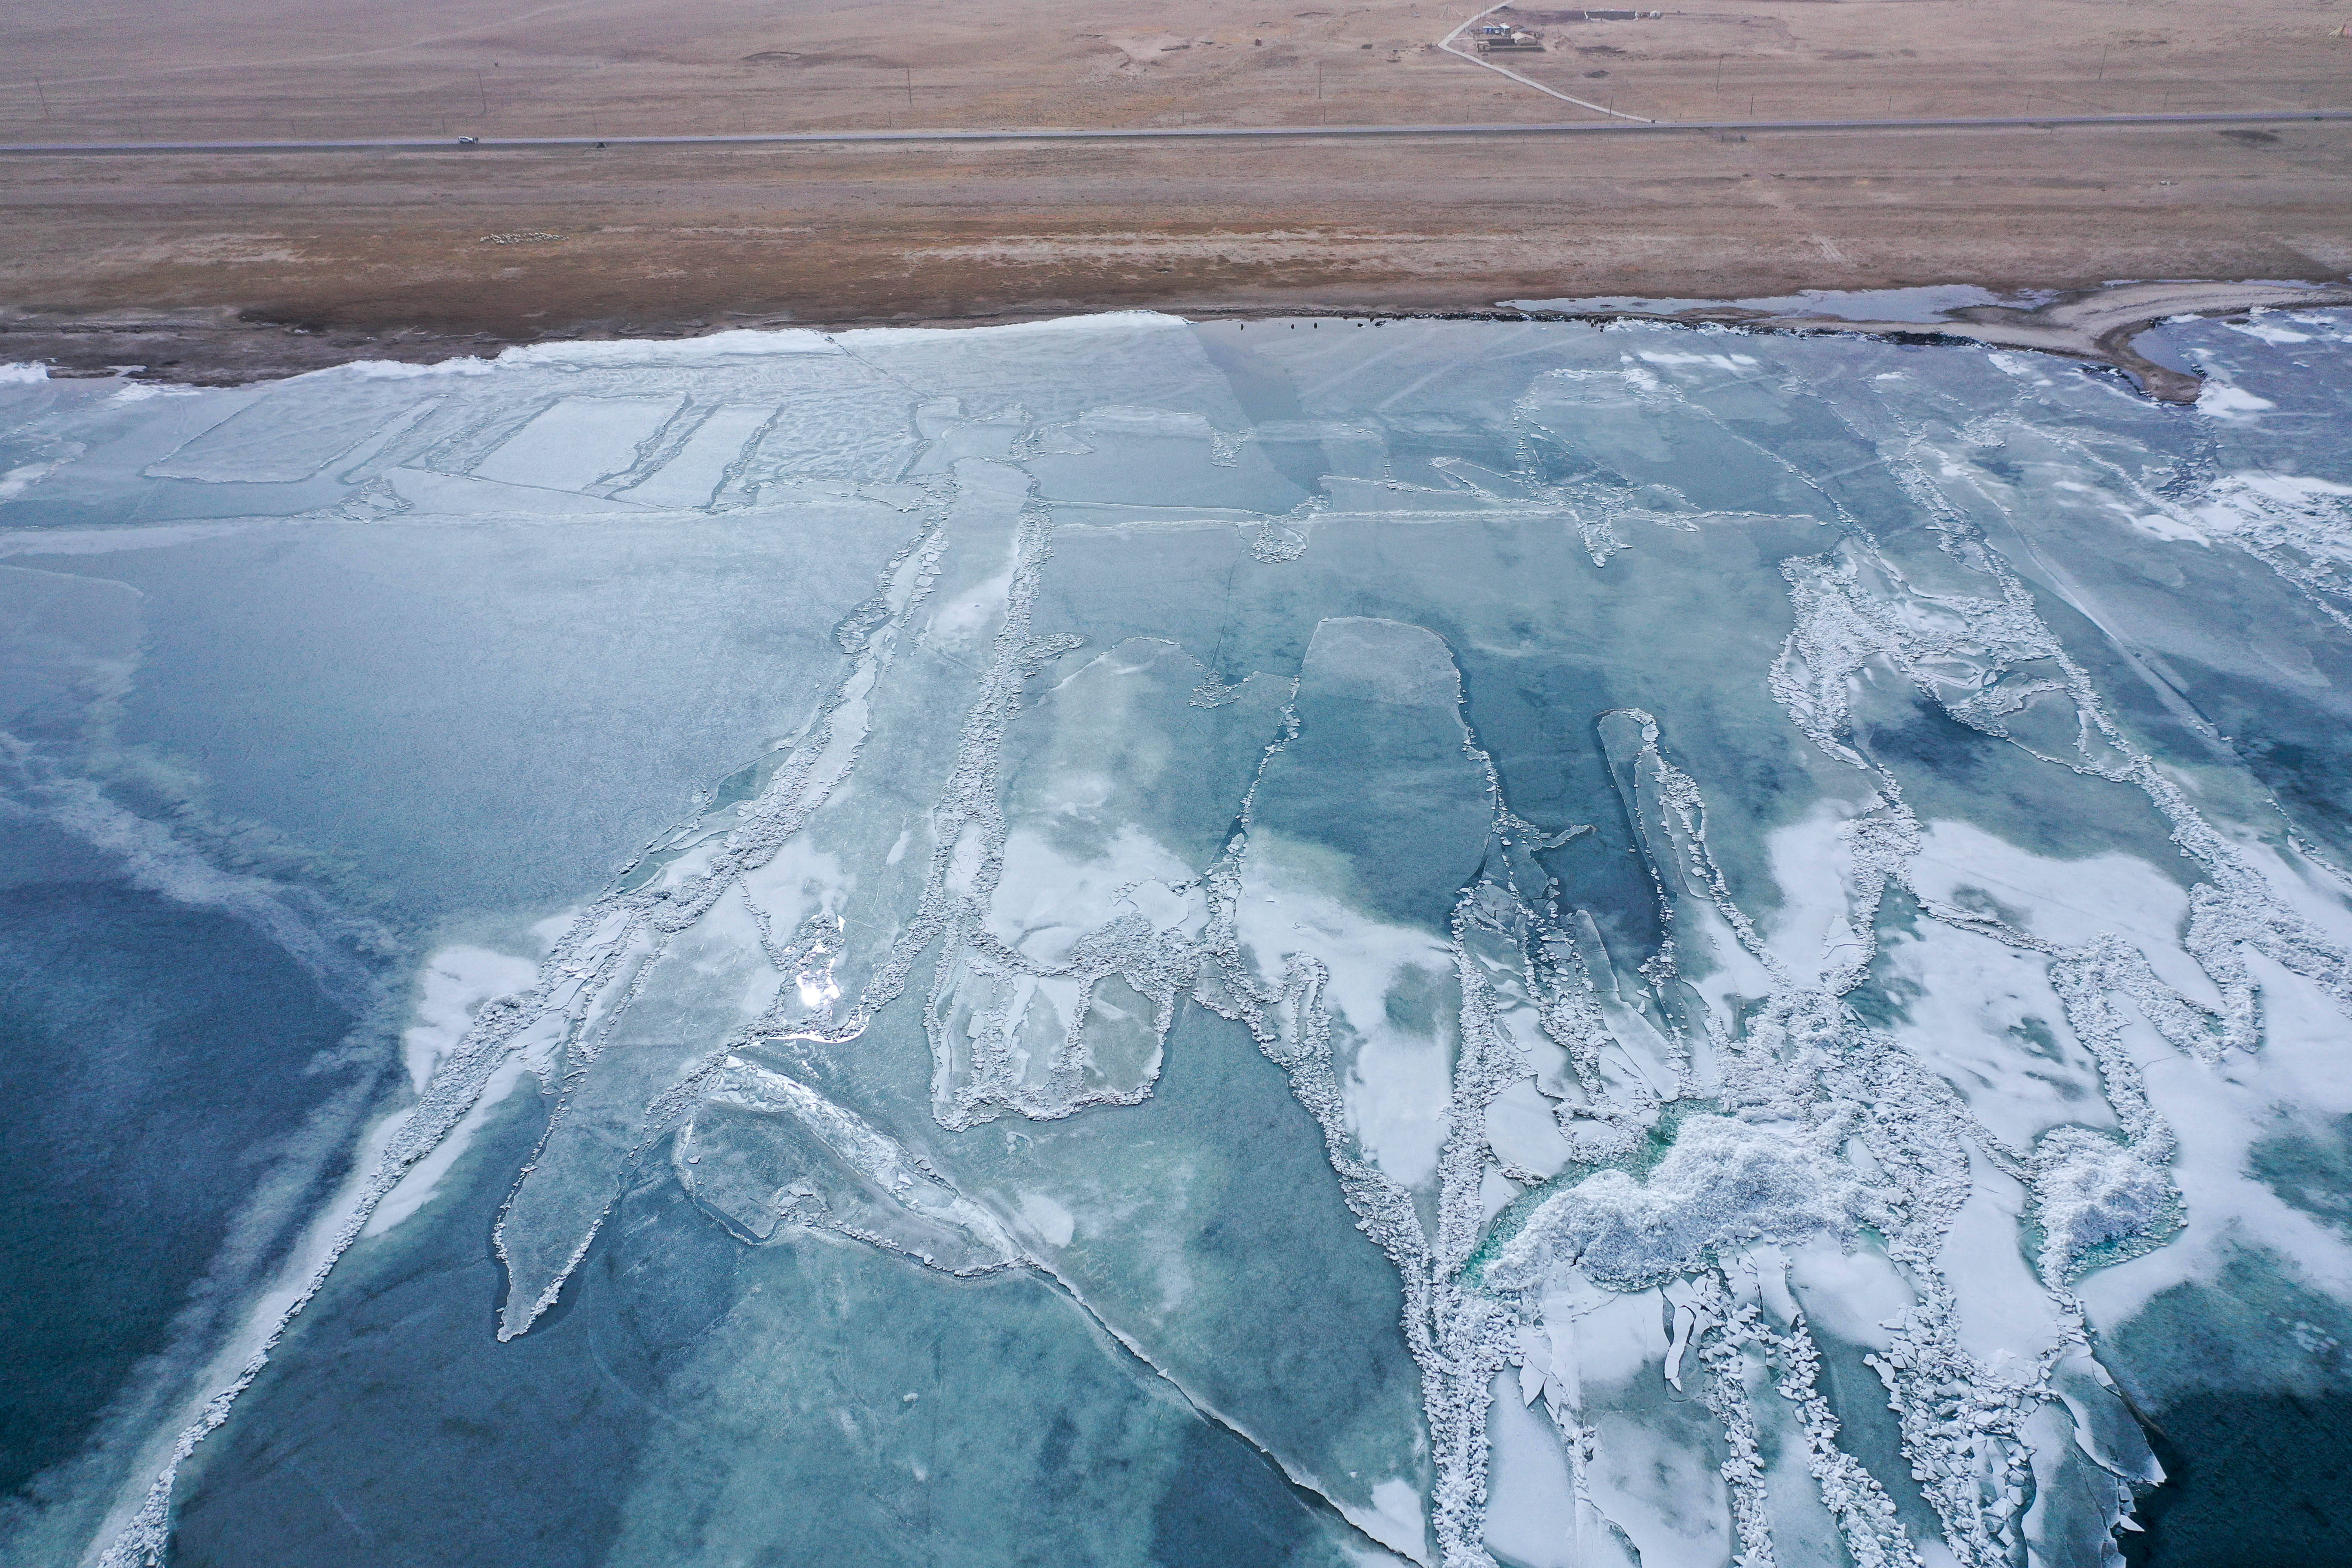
421	254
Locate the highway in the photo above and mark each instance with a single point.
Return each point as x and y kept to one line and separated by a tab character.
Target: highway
1619	127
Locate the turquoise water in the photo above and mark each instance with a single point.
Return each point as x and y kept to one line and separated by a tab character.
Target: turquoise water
1131	942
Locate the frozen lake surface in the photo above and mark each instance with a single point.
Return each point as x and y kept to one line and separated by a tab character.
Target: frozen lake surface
1123	942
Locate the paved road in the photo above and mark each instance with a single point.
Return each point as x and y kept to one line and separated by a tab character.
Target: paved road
1177	134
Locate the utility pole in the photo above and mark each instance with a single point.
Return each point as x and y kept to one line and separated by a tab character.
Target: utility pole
45	97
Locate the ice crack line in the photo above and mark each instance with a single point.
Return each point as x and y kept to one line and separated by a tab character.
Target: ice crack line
584	963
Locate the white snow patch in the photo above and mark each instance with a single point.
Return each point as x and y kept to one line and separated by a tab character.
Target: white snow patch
2269	332
1398	1522
1396	1082
452	987
1047	1220
24	476
1531	1495
1718	361
2234	404
2171	530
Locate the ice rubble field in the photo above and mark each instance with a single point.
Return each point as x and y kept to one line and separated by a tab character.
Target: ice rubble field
1117	942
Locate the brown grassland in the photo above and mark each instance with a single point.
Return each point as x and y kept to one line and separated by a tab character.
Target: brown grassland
204	265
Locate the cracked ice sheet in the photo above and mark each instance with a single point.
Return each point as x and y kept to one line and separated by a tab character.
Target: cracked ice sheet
1656	1474
1542	527
577	442
1363	889
1207	1228
716	979
2219	1114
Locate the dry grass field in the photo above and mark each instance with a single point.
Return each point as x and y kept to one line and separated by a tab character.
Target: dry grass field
403	249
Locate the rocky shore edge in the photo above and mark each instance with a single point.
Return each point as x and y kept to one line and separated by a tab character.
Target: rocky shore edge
222	346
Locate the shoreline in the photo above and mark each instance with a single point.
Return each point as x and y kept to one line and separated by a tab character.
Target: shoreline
222	346
2096	326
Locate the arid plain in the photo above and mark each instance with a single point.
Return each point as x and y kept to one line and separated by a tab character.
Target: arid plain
205	265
